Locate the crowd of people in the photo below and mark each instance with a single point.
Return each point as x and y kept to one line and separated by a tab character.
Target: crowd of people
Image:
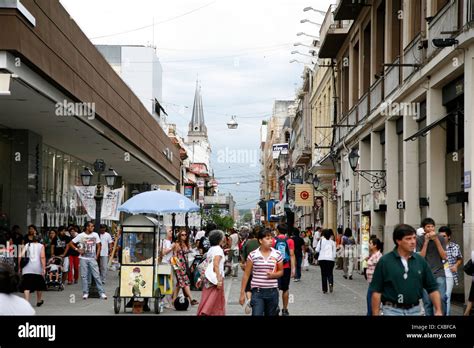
32	262
416	277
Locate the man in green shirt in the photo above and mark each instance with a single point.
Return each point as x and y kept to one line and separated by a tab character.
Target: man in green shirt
400	277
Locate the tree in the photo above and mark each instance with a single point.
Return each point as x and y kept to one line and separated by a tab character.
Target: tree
247	217
223	222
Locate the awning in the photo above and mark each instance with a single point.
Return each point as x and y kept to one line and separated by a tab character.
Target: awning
423	132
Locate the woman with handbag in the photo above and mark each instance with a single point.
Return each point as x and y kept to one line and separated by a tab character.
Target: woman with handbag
326	251
213	298
180	264
34	270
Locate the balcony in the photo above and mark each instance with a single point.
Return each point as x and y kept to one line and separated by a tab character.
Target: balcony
352	119
412	55
443	26
302	154
363	107
392	78
347	9
332	34
376	94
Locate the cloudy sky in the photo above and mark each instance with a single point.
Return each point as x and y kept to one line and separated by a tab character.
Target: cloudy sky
239	50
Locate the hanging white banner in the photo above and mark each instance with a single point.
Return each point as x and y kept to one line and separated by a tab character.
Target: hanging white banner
110	203
86	195
112	200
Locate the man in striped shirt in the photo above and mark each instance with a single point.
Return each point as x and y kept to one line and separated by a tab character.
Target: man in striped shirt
265	264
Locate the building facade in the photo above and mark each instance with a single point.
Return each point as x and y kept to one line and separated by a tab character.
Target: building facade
402	140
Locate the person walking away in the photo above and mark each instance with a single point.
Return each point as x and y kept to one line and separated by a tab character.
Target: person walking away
375	250
433	248
166	252
180	249
316	237
88	245
454	261
400	278
265	266
234	252
286	247
348	244
106	243
470	299
34	272
299	250
213	297
250	245
339	249
58	248
307	252
327	256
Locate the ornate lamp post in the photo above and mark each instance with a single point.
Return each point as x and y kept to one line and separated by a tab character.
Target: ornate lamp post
86	178
375	177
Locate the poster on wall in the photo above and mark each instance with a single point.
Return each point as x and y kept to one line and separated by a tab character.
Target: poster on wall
188	191
318	212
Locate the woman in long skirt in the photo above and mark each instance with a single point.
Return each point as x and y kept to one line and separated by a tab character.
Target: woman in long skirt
213	298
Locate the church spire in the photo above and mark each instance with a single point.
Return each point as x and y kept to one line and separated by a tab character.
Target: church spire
197	127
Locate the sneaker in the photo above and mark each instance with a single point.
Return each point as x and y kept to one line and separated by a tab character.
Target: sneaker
247	308
350	277
297	280
85	296
345	277
103	296
331	288
284	313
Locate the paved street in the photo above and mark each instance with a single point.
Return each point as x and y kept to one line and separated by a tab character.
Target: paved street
306	298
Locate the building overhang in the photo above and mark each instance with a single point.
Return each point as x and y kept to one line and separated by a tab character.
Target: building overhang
424	131
349	9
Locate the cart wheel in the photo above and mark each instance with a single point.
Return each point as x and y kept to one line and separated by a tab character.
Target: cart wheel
61	287
117	301
157	301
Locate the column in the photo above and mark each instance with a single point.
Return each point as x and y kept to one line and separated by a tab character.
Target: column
468	234
391	158
376	163
411	185
436	159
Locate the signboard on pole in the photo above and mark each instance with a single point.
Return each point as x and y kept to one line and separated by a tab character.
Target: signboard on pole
304	195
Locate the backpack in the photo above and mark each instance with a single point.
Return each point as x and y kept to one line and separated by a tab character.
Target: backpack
282	246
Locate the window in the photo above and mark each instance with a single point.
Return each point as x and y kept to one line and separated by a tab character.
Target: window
380	40
395	30
416	18
366	58
355	74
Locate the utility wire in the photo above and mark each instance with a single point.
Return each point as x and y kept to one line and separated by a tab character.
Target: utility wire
151	25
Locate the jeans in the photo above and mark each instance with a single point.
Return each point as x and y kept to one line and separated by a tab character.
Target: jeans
90	266
235	262
392	311
264	302
449	291
429	311
104	260
348	265
369	302
299	260
327	276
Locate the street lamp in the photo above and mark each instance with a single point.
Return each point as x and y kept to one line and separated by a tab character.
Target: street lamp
303	54
302	44
232	124
375	177
309	8
299	61
86	178
308	21
301	33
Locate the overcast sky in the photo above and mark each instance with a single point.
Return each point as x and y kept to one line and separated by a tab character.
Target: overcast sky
239	49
